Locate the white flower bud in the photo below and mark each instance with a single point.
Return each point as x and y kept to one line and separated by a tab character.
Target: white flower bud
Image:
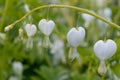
105	49
7	28
26	8
75	36
30	29
17	68
46	27
20	32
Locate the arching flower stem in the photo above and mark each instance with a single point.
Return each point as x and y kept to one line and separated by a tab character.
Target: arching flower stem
70	7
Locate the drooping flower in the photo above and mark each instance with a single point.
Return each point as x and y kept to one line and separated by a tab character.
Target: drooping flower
46	27
74	38
30	29
104	50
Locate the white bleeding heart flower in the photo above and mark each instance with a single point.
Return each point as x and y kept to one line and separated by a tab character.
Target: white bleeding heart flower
105	49
87	17
75	36
30	29
17	68
46	27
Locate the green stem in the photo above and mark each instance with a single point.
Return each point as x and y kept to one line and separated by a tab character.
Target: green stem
70	7
103	77
4	13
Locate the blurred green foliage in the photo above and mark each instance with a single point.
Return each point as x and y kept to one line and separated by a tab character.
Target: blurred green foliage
38	62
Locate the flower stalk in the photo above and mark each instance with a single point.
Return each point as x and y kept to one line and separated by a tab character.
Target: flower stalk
70	7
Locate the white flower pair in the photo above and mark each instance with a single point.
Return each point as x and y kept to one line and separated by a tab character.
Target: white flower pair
46	27
103	49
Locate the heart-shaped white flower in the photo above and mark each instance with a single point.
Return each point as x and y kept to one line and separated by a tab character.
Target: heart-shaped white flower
75	36
30	29
46	27
105	49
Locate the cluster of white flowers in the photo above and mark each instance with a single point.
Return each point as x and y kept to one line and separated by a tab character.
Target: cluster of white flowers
75	36
45	26
103	49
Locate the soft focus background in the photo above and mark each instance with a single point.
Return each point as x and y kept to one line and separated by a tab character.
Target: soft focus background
52	63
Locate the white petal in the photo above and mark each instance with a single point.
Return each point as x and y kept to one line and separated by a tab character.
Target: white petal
112	47
46	27
104	50
30	29
75	36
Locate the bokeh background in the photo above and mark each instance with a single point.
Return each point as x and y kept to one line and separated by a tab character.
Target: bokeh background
40	63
